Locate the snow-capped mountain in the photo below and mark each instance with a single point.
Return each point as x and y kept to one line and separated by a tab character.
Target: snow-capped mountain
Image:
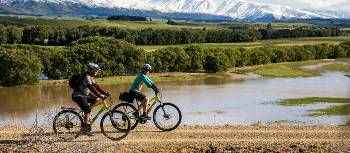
235	9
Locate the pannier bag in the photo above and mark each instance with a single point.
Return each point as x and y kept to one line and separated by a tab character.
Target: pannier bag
125	96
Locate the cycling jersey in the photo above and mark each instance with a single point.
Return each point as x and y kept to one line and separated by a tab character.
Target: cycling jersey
139	80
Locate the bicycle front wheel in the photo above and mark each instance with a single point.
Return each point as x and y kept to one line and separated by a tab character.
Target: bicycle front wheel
67	124
167	117
115	125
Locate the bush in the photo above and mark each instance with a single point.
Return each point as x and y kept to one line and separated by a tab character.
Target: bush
170	59
197	57
18	67
216	62
107	52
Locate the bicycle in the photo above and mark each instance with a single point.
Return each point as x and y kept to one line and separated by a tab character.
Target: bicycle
162	114
114	124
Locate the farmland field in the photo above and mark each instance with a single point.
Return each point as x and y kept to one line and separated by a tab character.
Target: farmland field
156	23
261	43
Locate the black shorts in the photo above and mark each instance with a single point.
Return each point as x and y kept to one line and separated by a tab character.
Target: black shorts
137	95
84	102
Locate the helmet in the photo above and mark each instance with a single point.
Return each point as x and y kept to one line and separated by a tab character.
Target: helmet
93	66
146	67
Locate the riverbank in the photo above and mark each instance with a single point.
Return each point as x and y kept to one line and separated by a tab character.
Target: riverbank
156	77
288	69
190	139
310	68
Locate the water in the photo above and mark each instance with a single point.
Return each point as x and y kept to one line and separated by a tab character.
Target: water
213	101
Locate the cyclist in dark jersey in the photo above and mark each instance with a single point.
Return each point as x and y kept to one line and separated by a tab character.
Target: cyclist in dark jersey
135	89
84	97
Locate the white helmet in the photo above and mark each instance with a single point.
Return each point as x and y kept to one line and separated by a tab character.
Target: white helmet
146	67
93	66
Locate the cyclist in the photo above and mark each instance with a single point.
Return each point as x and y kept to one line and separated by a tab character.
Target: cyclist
84	98
135	89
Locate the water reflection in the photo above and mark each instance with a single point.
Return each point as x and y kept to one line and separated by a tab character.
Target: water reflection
209	101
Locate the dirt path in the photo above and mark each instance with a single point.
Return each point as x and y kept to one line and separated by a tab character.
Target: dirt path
193	139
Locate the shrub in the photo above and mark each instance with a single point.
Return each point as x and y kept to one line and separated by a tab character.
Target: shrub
18	67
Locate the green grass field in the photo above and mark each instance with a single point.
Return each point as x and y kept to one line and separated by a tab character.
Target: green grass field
283	70
343	109
261	43
156	23
297	69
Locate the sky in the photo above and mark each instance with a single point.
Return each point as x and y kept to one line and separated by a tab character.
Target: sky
311	4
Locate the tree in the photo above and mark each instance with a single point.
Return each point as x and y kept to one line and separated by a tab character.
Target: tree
3	34
216	62
18	67
14	35
197	57
107	52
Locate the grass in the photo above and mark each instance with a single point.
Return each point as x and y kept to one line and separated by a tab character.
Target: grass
161	77
75	22
283	70
156	23
312	100
260	43
332	111
285	122
336	110
337	67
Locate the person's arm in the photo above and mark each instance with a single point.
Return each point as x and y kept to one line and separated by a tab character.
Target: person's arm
90	84
99	89
155	88
150	84
93	89
147	81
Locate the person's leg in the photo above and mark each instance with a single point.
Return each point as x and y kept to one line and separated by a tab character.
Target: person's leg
88	102
145	104
84	106
86	109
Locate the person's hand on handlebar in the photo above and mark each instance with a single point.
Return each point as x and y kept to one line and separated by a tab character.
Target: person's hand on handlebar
155	89
107	94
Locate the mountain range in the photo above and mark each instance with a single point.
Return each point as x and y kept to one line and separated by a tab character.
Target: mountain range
220	10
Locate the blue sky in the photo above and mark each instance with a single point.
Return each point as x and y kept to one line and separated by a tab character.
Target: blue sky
311	4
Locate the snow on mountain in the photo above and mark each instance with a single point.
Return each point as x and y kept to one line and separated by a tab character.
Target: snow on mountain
237	9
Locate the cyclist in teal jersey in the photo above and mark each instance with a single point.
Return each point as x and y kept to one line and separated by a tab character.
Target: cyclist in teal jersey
135	89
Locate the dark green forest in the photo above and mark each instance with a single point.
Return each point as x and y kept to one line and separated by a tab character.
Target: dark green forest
62	36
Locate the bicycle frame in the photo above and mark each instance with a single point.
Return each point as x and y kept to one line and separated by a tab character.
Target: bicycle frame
104	107
153	101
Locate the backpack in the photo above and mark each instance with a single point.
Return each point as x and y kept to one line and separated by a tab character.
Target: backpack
75	81
125	96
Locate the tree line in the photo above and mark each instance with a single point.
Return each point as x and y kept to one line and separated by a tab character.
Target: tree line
62	36
23	64
127	18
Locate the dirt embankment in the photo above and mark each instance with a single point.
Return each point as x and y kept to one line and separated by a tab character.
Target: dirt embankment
192	139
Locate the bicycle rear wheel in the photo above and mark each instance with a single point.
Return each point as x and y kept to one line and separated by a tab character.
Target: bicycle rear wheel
67	124
167	117
130	111
115	125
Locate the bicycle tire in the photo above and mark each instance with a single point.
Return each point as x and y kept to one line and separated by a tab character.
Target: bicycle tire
118	118
159	109
133	119
68	125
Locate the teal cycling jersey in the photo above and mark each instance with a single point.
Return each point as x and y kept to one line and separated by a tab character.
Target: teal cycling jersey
139	80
